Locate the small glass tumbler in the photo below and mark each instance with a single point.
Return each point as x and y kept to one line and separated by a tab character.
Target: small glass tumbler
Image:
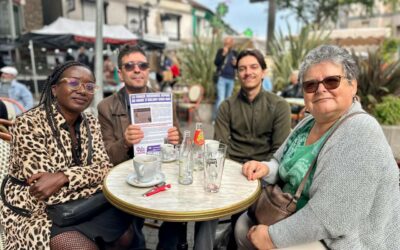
214	160
168	152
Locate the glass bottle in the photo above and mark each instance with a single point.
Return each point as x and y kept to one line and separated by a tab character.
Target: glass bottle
185	155
198	148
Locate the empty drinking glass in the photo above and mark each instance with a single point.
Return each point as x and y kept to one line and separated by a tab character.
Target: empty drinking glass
214	160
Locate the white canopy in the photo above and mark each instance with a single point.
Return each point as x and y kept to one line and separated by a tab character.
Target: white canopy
85	29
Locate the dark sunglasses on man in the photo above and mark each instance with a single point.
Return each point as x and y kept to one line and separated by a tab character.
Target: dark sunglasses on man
330	82
130	66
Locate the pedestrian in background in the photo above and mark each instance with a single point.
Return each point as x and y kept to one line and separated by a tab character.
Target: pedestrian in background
68	56
293	89
225	61
11	88
83	57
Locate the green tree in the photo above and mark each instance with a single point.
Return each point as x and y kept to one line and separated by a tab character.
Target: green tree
287	53
377	78
216	22
317	13
389	49
197	62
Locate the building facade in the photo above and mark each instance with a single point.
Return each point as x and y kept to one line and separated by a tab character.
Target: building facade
382	16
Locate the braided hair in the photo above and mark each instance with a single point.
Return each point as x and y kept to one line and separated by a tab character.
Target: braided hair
47	98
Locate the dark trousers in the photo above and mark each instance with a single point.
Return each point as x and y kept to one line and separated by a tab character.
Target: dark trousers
232	242
172	236
139	242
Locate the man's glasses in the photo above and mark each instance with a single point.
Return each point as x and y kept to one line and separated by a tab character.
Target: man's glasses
75	84
130	66
330	82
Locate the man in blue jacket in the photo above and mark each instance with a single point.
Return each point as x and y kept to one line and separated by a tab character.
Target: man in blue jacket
11	88
225	61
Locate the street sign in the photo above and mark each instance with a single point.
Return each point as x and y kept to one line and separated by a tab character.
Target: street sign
257	1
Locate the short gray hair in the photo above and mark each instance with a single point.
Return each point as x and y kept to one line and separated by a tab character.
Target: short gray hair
333	54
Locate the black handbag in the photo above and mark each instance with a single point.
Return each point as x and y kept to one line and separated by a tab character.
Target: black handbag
77	211
274	205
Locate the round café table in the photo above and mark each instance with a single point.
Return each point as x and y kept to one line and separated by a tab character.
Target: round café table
182	203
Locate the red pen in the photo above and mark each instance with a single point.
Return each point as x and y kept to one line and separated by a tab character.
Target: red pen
157	190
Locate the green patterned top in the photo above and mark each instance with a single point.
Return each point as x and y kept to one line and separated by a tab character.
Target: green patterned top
297	158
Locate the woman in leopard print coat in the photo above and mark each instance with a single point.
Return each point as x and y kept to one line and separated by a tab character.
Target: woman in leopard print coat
50	159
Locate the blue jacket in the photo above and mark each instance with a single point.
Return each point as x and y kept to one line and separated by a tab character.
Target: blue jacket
21	94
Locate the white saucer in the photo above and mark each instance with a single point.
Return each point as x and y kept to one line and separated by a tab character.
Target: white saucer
133	180
169	160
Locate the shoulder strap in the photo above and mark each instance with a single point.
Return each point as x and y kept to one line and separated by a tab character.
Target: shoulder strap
313	164
224	63
90	142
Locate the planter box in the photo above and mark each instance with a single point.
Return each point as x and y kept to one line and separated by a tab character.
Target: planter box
392	134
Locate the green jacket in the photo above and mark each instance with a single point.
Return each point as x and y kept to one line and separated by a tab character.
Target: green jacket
253	131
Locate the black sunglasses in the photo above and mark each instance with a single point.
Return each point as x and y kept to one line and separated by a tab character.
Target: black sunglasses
330	82
130	66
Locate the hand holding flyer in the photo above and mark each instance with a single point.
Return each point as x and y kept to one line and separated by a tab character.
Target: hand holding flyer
153	113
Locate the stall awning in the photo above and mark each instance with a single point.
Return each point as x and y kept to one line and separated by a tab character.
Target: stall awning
65	32
87	30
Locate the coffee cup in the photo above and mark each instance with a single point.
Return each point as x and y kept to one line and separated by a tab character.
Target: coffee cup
146	167
213	145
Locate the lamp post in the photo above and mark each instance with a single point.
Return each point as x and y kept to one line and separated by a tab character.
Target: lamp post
99	54
270	20
34	74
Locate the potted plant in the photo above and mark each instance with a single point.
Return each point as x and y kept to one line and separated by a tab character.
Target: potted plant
387	113
288	51
377	79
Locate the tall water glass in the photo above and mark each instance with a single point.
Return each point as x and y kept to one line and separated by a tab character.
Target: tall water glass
214	160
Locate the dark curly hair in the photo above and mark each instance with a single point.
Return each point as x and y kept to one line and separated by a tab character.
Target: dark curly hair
47	97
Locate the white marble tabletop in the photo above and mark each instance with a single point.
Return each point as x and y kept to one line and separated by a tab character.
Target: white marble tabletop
295	101
182	202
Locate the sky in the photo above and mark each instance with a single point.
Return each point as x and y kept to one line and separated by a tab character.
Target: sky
242	14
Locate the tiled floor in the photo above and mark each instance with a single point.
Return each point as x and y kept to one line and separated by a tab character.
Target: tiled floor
151	234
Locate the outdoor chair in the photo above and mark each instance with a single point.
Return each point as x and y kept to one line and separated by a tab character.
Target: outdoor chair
4	155
191	102
12	107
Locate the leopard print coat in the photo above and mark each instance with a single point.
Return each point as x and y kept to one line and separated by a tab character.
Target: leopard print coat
34	149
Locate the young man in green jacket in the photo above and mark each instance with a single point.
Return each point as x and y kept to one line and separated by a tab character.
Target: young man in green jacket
253	123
